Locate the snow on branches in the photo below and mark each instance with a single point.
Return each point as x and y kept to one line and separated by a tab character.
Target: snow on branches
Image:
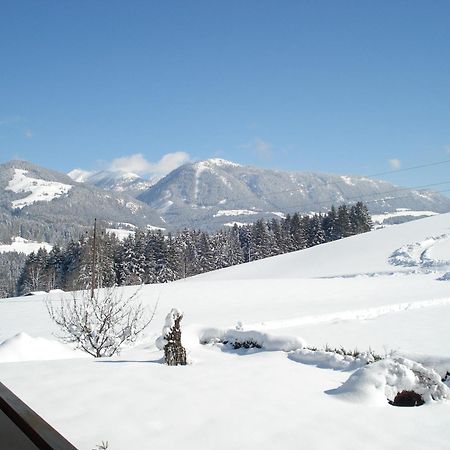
170	340
103	324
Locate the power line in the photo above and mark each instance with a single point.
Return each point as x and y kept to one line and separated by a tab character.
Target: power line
404	196
422	166
383	194
342	182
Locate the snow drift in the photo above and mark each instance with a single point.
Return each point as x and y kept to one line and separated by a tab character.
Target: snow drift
23	347
383	380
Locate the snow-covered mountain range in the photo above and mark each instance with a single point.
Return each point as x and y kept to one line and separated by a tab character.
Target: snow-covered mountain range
212	193
44	205
114	180
41	204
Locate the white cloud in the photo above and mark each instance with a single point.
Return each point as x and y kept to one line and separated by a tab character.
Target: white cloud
134	163
169	162
28	134
137	163
260	147
394	163
79	175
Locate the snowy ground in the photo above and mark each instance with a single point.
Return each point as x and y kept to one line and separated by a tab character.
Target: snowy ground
385	290
37	190
401	213
21	245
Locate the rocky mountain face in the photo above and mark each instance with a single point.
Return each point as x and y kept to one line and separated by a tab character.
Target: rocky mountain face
213	193
41	204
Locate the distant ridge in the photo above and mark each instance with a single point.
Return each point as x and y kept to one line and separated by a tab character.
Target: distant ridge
216	192
41	204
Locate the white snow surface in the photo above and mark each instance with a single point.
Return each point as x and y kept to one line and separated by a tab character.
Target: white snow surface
379	219
346	293
153	228
120	234
21	245
239	224
263	340
384	379
234	212
347	180
23	347
38	190
331	360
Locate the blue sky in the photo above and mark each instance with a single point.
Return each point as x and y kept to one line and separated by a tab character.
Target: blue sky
332	86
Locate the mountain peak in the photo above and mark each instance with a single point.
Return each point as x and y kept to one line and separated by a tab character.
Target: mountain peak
79	175
218	162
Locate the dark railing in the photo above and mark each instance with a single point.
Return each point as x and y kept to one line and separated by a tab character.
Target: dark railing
22	429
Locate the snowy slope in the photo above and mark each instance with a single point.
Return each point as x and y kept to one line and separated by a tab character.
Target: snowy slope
21	245
380	290
368	254
38	190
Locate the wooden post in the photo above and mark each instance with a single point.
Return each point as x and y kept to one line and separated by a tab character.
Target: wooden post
94	249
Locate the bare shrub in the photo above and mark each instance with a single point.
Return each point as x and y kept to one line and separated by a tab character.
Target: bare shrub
102	324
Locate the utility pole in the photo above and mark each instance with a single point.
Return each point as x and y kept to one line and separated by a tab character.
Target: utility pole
94	249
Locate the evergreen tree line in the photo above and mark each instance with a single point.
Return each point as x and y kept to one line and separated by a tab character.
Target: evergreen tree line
11	264
153	257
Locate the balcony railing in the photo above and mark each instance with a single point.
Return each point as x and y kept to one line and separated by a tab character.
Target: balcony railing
22	429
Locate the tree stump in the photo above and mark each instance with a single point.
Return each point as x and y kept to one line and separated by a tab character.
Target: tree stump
407	398
174	352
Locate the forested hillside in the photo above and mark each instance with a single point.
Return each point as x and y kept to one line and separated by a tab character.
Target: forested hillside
152	257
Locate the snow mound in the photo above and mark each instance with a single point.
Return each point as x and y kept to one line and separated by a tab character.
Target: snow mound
251	339
23	347
331	360
420	254
383	380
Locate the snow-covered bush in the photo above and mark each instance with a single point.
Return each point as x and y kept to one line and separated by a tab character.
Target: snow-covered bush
170	340
102	324
383	380
337	359
250	339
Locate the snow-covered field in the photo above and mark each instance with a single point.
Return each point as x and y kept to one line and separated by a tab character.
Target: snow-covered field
235	212
21	245
38	190
401	213
388	291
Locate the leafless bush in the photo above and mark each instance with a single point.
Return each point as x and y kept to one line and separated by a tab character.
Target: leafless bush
102	324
